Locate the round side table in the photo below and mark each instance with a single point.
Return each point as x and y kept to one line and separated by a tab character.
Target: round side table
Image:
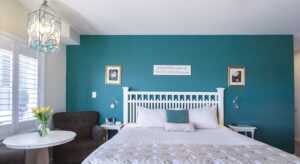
41	144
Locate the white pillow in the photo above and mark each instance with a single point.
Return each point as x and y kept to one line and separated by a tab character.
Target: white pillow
186	127
150	118
205	118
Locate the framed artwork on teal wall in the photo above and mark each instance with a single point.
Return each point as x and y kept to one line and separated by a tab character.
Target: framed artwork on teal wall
236	76
113	75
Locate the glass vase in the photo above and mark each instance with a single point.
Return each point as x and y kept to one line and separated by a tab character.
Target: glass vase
42	129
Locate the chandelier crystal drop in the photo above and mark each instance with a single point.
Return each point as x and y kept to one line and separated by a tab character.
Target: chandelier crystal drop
44	30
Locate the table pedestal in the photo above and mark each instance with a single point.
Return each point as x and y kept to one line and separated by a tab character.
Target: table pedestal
42	156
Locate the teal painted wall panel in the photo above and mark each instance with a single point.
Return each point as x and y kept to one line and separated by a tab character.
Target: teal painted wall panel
267	100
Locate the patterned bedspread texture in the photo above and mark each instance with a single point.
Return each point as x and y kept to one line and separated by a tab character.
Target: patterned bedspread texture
190	154
155	146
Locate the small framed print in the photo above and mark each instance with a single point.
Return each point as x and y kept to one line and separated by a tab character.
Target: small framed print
113	75
236	76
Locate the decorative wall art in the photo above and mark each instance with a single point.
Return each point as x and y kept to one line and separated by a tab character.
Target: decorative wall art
113	75
236	76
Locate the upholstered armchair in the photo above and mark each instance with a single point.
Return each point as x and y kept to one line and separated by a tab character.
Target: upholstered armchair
89	136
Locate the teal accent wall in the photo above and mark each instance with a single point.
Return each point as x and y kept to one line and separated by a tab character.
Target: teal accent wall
267	100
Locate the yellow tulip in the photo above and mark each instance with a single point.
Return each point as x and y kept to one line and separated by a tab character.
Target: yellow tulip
42	113
48	109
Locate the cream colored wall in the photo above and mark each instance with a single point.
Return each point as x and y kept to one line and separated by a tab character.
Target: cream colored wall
297	95
55	81
13	18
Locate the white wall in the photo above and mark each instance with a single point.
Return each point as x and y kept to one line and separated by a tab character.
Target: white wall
297	95
13	18
55	81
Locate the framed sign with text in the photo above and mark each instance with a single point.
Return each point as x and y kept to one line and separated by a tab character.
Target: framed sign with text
181	70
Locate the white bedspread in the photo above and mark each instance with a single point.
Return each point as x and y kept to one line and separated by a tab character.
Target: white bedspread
142	136
154	145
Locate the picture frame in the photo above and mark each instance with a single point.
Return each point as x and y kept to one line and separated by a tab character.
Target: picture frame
113	75
236	76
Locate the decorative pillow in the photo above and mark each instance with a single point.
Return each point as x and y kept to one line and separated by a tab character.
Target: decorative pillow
205	118
150	118
186	127
177	116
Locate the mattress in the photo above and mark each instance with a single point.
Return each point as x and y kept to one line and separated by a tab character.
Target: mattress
154	145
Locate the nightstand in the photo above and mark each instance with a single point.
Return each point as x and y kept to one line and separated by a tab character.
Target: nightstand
243	129
111	127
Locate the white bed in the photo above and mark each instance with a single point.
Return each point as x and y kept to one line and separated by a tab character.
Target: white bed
155	145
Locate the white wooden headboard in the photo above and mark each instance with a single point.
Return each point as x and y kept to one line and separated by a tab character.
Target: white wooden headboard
169	100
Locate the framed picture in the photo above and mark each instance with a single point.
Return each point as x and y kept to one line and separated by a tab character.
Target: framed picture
236	76
113	75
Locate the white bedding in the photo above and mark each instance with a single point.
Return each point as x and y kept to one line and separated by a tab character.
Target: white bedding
154	145
148	136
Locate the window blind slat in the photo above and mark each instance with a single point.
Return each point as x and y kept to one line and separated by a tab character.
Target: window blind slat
28	74
28	67
26	78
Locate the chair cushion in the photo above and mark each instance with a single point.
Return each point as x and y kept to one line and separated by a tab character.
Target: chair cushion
79	122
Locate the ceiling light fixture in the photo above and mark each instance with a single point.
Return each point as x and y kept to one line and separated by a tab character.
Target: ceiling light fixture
44	30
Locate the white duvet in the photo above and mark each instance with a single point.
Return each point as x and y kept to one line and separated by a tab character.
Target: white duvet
154	145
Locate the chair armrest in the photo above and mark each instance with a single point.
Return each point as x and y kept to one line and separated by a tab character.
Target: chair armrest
98	134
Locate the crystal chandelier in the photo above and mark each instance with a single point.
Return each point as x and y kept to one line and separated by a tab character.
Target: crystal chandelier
44	30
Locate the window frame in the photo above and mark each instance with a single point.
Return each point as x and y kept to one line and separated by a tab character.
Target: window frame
17	126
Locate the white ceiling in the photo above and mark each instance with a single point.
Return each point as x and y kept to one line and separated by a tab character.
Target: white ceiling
202	17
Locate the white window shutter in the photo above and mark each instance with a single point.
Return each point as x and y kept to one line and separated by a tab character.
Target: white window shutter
6	62
6	86
28	86
21	73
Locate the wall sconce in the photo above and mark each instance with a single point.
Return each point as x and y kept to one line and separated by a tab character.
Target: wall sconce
113	103
235	102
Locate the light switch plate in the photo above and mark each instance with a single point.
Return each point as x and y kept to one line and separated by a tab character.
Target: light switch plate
94	95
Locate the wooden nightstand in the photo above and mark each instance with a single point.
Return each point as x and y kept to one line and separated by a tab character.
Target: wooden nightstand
111	127
243	129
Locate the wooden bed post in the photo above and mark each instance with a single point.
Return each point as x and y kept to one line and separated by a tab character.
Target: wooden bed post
125	104
221	105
